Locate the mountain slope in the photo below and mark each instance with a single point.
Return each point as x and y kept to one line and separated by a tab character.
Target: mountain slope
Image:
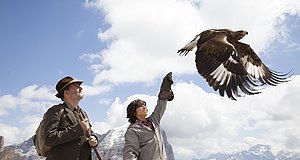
110	147
258	152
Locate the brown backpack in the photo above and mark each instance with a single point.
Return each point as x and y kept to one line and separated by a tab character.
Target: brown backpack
38	140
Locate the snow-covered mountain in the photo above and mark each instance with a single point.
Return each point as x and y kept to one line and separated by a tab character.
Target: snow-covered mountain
110	147
111	144
258	152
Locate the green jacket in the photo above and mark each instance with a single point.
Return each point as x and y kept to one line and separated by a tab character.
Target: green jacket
142	143
64	134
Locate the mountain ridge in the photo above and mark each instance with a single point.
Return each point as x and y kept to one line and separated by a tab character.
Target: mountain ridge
257	152
110	147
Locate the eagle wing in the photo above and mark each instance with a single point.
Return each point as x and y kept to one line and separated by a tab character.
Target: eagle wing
218	62
257	70
229	65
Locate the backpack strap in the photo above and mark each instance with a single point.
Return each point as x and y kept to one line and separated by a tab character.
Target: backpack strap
61	111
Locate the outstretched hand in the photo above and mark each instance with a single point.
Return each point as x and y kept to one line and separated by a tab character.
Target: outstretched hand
166	92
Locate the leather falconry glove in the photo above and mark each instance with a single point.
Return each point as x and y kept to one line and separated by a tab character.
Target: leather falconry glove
166	92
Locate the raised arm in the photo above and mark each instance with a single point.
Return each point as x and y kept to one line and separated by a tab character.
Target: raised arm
165	94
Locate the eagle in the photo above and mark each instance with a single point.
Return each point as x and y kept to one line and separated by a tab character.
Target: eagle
229	65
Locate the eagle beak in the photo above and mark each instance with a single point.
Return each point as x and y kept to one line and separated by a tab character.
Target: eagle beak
243	32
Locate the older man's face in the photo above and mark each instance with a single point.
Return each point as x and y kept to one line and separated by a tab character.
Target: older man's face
75	91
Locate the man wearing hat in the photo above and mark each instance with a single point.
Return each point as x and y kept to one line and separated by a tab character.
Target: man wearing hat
143	139
66	124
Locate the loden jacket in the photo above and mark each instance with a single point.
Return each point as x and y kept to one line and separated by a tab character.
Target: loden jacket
65	136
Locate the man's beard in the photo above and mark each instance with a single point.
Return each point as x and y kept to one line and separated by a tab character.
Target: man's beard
77	96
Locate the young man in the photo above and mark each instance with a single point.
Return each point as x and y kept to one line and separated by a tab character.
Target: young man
143	139
66	124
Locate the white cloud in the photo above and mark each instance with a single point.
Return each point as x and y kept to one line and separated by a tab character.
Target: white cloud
17	134
142	40
11	134
31	99
198	123
6	102
116	115
144	35
90	57
95	90
79	34
141	48
208	123
36	92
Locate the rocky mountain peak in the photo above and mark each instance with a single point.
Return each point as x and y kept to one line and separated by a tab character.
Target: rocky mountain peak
110	147
1	143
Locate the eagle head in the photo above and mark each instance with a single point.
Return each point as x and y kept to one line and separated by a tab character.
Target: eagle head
237	35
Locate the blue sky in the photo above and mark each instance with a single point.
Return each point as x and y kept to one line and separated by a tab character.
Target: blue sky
122	49
45	38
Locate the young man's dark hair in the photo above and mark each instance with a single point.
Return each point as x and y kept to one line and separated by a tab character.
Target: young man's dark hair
132	108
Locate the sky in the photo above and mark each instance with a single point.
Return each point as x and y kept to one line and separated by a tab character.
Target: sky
122	49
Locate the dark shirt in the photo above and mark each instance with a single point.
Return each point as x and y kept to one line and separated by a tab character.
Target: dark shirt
85	147
148	124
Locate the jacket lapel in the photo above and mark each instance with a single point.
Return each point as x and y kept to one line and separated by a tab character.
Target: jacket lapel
71	115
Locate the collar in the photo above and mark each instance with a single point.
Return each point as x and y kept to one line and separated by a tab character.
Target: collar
148	123
72	108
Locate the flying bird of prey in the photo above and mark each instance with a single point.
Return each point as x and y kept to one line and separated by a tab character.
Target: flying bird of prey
229	65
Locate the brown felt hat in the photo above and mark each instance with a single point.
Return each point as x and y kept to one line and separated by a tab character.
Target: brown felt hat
63	84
